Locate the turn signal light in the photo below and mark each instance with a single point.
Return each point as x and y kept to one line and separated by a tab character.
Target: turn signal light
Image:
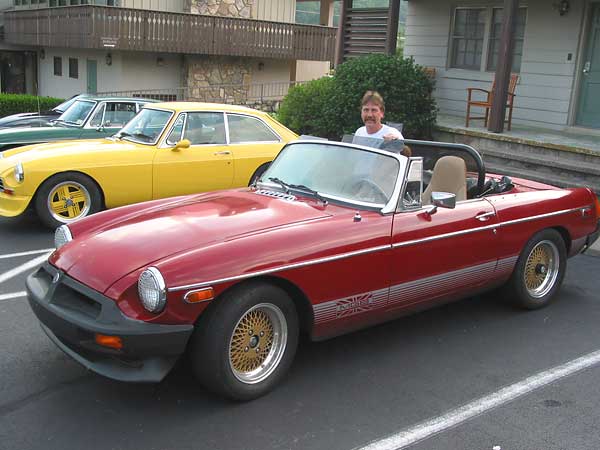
201	295
109	341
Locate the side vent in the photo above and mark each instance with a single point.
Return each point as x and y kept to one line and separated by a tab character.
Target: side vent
276	194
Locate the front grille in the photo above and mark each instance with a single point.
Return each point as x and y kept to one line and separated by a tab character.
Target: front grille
275	194
75	301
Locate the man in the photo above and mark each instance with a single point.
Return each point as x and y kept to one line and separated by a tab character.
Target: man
371	113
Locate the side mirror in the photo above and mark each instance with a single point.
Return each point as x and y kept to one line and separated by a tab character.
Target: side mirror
100	128
184	143
442	200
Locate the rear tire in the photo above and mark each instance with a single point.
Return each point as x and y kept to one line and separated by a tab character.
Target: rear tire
245	343
66	197
539	271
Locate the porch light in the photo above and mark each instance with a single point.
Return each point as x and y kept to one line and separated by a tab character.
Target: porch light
562	6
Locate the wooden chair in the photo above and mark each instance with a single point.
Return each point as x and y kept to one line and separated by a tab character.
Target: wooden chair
487	103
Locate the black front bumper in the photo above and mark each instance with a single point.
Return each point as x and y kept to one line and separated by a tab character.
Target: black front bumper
71	314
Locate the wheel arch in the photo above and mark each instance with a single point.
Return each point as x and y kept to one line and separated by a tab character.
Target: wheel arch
87	175
259	171
299	298
564	233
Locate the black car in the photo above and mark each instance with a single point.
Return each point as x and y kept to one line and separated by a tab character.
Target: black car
36	119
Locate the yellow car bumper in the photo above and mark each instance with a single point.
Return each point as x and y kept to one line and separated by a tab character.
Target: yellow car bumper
12	205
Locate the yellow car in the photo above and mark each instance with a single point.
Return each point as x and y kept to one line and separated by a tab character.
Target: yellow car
167	149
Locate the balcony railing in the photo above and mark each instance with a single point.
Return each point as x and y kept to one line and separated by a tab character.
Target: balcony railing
101	27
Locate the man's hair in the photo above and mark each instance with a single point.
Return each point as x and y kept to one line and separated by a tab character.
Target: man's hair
373	97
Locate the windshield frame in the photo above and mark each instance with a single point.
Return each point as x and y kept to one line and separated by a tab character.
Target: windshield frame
159	136
389	207
84	121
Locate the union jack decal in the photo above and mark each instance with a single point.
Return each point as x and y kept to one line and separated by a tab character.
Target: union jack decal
354	305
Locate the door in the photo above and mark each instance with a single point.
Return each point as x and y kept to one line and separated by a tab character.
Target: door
589	93
92	76
442	255
206	165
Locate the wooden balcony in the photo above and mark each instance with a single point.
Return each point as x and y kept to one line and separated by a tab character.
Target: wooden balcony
102	27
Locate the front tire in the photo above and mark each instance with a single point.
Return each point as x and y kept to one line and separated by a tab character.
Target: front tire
244	344
539	271
66	197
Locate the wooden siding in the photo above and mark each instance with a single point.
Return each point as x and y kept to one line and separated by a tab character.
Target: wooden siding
90	26
155	5
275	10
545	90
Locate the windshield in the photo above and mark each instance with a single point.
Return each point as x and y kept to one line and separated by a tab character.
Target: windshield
64	105
146	127
347	174
77	112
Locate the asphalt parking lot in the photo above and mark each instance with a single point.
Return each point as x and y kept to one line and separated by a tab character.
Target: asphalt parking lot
469	375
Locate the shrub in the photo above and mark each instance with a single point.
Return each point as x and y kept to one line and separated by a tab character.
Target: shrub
17	103
402	83
306	108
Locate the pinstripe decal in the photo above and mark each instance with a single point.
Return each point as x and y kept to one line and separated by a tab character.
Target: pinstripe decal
410	291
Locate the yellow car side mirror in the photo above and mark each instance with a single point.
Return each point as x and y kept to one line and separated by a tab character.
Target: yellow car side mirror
184	143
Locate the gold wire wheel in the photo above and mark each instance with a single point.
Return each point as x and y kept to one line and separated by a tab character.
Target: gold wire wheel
69	201
257	343
541	268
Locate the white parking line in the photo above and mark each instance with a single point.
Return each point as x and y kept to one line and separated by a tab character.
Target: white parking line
13	295
23	268
436	425
32	252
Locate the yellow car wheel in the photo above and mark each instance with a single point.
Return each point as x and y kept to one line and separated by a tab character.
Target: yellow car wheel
67	197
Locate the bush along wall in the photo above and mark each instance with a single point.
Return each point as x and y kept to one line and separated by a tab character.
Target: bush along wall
332	108
16	103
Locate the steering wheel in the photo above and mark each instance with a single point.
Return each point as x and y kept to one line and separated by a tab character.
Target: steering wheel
368	190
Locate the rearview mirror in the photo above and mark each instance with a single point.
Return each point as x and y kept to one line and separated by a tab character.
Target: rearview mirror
184	143
443	199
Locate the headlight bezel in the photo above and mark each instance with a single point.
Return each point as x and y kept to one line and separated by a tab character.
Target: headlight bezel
152	305
62	232
19	172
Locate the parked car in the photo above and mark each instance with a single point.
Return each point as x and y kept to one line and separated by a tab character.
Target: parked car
85	118
39	118
167	149
333	237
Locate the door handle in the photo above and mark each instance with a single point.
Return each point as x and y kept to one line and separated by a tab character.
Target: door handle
224	152
484	217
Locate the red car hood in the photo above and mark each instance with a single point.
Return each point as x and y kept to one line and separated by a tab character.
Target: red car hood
106	254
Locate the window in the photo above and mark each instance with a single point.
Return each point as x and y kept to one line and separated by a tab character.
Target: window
475	38
118	114
494	45
96	120
248	129
204	128
58	66
177	130
73	68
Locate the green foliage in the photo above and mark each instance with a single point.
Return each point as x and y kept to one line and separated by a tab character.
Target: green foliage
330	107
305	109
17	103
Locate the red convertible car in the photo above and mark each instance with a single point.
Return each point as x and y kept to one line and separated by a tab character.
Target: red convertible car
334	237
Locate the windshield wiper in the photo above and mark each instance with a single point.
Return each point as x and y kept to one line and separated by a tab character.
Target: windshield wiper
299	187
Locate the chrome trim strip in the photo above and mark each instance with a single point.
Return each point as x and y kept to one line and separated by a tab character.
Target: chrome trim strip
366	251
484	228
284	267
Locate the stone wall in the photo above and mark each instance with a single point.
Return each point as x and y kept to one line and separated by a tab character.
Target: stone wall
219	79
225	8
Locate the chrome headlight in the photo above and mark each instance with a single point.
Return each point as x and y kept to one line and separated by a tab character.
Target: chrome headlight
152	290
62	235
19	172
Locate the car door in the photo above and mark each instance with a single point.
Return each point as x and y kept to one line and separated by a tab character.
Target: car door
108	118
206	165
443	253
252	143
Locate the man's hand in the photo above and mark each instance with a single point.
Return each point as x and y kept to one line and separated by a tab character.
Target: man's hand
390	137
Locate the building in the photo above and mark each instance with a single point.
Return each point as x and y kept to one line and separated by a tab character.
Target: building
556	54
175	48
